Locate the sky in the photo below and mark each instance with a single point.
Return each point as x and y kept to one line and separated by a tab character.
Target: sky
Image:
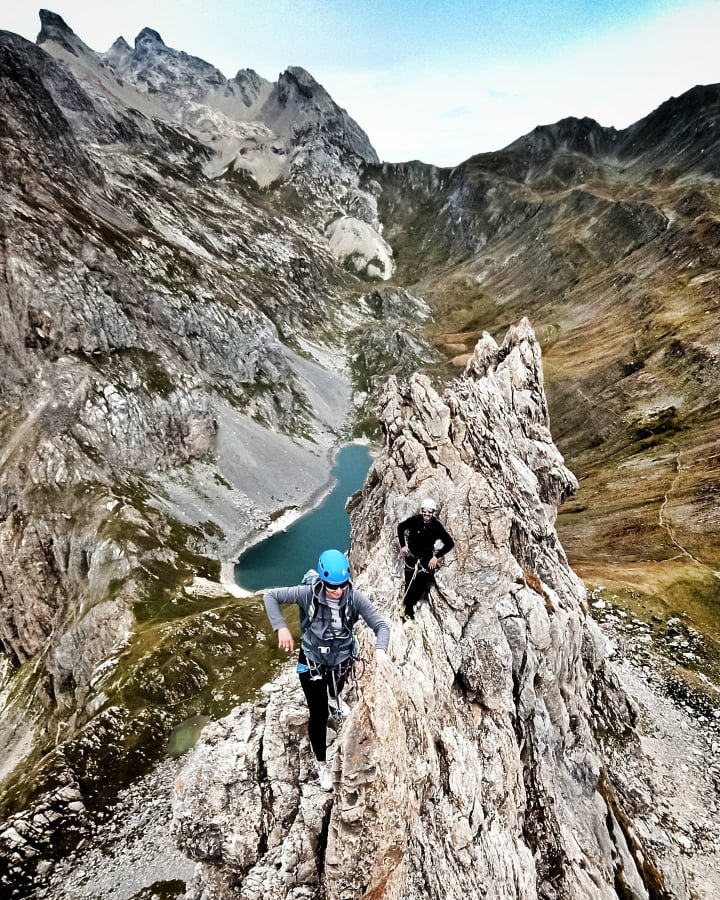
432	80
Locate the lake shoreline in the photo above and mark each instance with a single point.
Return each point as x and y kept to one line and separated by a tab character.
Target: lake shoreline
285	520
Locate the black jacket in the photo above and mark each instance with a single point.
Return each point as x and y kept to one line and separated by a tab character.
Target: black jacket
420	538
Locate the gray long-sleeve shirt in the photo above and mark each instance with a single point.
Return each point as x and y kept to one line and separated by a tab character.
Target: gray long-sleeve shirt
356	604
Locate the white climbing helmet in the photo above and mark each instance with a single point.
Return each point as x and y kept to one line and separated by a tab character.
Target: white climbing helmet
429	504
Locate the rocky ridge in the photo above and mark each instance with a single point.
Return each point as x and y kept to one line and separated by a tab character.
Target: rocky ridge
676	741
290	130
477	769
608	241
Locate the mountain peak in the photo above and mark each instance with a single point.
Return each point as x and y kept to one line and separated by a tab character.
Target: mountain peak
302	76
297	80
571	134
149	36
51	21
121	44
55	28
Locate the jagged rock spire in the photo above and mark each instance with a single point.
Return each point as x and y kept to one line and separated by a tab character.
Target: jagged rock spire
121	44
148	36
54	28
475	771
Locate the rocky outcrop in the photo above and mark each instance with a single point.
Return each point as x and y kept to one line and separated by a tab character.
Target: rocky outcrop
608	241
475	770
360	248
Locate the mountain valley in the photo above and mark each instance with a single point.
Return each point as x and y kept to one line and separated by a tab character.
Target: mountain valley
206	283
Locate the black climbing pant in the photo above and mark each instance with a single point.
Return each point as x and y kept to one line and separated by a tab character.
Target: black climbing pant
316	685
417	585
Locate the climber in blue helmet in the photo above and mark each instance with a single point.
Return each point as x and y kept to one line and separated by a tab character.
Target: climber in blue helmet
329	608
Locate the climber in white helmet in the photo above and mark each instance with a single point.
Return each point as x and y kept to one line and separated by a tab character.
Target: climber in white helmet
423	541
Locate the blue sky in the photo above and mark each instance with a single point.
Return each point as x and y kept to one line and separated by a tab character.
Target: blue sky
437	81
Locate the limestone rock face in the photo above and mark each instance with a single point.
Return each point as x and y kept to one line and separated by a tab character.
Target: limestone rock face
360	248
475	770
170	338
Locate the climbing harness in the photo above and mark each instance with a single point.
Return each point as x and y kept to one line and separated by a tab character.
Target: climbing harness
341	670
350	670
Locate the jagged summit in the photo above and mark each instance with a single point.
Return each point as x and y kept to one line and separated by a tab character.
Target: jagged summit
121	44
304	80
148	36
52	25
271	131
249	86
681	132
152	65
55	29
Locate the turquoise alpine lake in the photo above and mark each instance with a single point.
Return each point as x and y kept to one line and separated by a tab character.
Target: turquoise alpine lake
185	735
284	557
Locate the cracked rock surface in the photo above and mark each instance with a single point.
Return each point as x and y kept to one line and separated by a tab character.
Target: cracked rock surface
478	768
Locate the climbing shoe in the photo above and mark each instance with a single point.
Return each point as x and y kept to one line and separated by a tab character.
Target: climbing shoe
325	776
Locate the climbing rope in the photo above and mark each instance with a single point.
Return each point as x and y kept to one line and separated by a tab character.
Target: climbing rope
416	571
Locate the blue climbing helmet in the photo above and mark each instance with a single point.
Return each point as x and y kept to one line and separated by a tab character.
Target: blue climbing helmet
333	567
